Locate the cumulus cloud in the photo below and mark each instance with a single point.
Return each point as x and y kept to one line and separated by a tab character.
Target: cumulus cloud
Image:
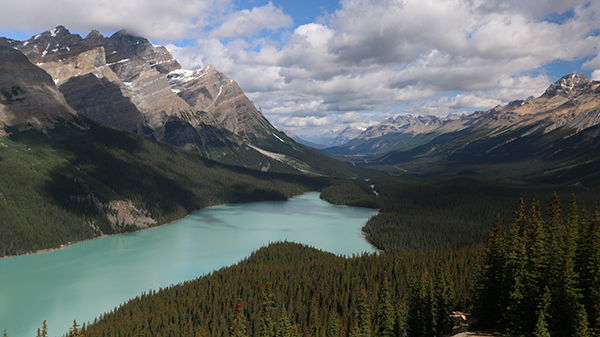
246	23
154	19
360	63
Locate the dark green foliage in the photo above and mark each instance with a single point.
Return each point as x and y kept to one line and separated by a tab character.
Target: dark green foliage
539	278
429	212
322	294
55	185
385	310
363	314
266	315
238	326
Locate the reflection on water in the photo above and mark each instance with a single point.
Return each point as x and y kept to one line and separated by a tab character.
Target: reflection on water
87	279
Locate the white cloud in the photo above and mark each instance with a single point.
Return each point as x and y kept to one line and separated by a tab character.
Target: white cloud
246	23
154	19
366	60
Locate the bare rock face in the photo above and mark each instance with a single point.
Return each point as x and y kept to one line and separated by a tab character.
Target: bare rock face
126	82
115	81
28	96
221	99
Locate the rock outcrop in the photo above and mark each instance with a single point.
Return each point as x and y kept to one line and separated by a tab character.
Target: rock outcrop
28	96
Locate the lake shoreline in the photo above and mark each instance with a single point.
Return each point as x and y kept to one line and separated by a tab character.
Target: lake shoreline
149	228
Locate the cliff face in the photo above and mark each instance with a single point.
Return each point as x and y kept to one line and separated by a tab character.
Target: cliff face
126	82
28	96
110	80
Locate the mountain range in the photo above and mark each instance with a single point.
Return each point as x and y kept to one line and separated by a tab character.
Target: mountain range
551	135
126	82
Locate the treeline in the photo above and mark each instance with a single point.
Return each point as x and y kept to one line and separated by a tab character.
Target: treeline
541	275
309	293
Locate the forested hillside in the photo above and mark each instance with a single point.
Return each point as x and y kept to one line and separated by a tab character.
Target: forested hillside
288	289
81	180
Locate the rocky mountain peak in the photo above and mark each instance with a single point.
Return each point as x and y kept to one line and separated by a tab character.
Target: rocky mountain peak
568	86
28	96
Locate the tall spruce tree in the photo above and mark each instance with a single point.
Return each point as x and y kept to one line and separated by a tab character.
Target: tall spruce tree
444	292
364	314
334	328
266	315
535	268
238	326
400	321
513	287
488	286
385	310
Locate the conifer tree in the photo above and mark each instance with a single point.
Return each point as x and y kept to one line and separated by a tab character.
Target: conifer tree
400	321
238	326
581	324
267	313
44	329
541	328
444	292
74	330
4	335
535	267
513	288
284	328
488	287
422	312
364	314
564	307
334	328
385	310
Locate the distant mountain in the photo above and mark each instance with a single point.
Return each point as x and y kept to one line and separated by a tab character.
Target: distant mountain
303	141
345	135
126	82
556	132
327	138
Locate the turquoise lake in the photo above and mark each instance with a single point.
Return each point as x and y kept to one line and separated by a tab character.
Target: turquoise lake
84	280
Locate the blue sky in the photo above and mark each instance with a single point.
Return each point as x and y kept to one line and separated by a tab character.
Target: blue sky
314	66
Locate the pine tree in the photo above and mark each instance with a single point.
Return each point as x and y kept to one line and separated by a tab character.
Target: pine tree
385	310
541	328
488	287
400	321
444	292
535	267
422	310
364	314
284	328
4	335
334	328
74	330
581	324
44	329
238	326
267	313
513	287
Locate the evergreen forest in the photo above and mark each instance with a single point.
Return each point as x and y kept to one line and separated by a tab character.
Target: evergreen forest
538	276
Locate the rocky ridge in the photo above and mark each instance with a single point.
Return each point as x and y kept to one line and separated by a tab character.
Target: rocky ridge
28	96
126	82
572	102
